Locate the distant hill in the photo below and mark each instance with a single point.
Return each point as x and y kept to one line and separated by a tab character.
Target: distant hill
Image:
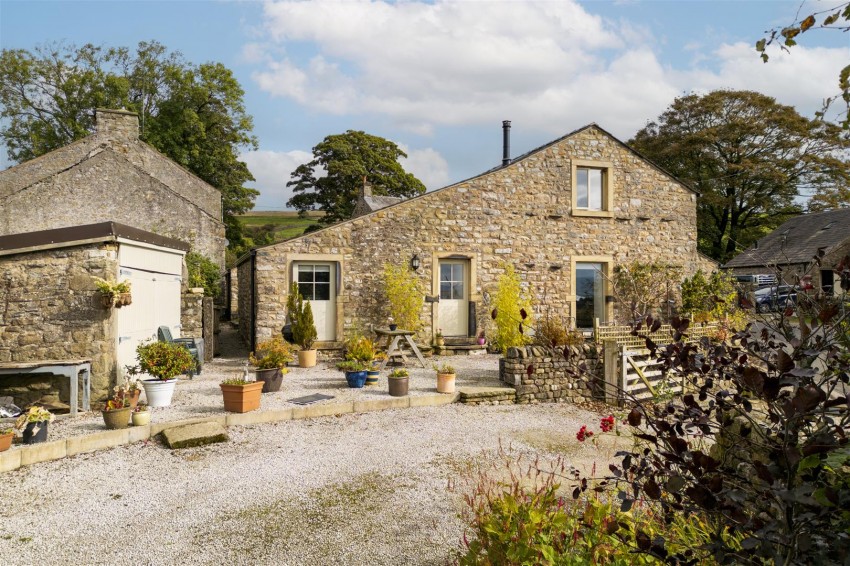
284	224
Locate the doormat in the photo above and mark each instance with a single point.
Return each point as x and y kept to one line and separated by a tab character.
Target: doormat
310	399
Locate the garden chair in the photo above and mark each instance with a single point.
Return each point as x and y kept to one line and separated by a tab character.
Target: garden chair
194	345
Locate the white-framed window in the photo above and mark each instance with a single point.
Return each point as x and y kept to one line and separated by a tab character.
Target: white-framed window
592	188
314	282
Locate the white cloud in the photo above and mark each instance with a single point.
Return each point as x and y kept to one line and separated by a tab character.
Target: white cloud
272	170
548	66
427	165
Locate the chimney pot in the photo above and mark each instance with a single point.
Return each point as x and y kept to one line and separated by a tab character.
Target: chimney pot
506	142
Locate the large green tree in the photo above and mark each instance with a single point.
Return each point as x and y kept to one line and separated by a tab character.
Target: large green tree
194	114
334	178
749	157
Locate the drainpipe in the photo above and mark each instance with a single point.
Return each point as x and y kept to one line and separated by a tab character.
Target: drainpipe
506	142
253	300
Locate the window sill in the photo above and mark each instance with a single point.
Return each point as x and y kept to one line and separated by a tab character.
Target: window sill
593	213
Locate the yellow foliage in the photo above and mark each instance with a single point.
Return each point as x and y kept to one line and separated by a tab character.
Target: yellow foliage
509	302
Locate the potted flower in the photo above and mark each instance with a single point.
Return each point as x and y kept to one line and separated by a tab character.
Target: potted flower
482	340
241	396
374	372
439	341
445	378
302	326
113	294
141	415
391	323
6	437
399	382
270	359
116	413
355	372
34	423
164	361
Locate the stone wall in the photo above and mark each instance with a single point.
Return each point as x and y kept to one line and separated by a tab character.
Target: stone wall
113	176
520	214
554	378
210	326
191	315
234	294
245	302
50	310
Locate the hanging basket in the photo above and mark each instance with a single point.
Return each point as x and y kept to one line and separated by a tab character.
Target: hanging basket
107	300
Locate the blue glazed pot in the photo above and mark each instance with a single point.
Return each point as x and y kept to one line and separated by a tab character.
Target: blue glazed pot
356	379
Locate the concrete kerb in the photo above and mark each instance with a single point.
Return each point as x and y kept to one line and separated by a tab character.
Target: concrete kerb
45	451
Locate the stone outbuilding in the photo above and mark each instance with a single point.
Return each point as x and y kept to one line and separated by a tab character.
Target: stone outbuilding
789	251
50	308
113	176
564	215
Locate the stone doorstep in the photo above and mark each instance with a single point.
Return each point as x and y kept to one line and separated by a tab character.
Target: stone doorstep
15	458
481	393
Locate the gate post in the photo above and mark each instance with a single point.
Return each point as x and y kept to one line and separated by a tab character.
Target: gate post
610	354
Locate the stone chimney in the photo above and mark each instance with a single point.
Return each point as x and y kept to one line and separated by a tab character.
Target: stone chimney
367	188
117	124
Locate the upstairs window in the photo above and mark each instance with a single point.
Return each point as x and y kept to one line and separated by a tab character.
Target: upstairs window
589	187
592	188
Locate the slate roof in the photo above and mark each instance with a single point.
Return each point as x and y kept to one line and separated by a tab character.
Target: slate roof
797	240
378	202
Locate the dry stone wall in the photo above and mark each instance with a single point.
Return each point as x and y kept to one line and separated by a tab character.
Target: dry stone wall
554	378
50	310
520	214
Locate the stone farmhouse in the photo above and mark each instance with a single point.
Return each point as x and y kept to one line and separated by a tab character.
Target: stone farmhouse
564	215
109	206
789	250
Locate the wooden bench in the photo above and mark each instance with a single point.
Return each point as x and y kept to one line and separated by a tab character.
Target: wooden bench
69	368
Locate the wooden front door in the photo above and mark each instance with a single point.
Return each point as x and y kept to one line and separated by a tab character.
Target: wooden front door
454	297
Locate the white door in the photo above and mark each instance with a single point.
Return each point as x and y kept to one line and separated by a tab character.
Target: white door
317	284
454	297
155	278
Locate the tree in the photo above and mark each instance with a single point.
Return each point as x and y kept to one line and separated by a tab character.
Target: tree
346	159
748	157
194	114
837	20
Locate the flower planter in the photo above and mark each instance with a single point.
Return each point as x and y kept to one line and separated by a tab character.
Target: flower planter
159	391
6	441
356	379
141	418
306	358
123	299
116	418
372	377
398	386
107	301
271	378
31	436
134	398
242	398
445	383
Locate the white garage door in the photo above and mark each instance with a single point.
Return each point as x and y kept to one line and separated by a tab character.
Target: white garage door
155	275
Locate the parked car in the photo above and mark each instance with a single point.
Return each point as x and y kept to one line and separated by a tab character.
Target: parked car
772	299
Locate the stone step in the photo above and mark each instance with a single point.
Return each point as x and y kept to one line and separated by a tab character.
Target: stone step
486	395
192	435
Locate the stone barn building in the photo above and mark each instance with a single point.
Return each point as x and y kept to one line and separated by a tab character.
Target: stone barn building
564	215
789	251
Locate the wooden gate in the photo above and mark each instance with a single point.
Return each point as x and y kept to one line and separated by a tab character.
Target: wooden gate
634	374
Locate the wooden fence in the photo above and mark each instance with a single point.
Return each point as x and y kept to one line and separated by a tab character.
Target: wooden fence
622	335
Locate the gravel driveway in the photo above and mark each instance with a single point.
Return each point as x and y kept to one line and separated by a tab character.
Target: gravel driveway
355	489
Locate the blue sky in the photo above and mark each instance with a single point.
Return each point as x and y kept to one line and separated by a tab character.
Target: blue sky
438	78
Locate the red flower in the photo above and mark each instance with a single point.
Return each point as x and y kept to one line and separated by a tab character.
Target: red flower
583	433
607	423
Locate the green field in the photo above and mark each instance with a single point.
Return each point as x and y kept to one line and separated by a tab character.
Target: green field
283	224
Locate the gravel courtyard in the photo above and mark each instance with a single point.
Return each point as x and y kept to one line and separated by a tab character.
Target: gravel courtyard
355	489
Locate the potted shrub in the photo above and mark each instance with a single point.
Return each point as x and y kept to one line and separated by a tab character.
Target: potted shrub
164	361
241	396
7	435
270	359
399	382
113	294
355	372
439	341
302	326
34	423
116	413
141	415
445	379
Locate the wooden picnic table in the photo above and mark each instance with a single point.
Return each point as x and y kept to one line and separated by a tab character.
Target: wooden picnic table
396	347
69	368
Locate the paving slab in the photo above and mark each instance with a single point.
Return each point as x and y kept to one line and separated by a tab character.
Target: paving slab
198	434
97	441
10	460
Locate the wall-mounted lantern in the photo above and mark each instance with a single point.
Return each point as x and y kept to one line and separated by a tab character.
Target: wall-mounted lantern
414	262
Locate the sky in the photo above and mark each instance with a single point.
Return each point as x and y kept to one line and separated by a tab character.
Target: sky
438	78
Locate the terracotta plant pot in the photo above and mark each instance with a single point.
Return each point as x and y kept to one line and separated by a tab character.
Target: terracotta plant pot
141	418
306	358
445	383
272	379
6	441
134	398
242	398
398	386
159	392
116	418
372	377
31	437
